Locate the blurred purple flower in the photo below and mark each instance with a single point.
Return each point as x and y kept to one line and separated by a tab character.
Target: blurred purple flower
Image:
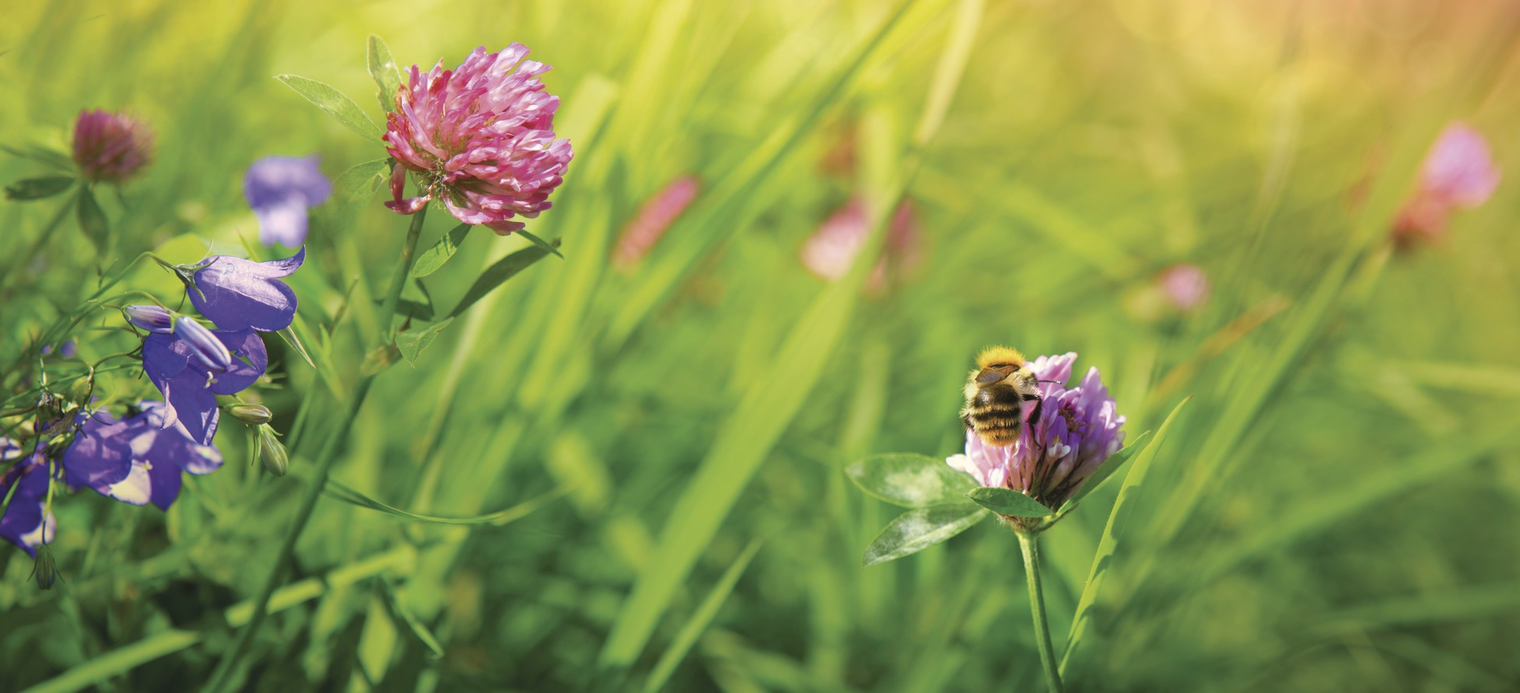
833	247
67	350
26	483
190	387
1184	286
280	189
480	139
1458	173
139	459
239	294
1079	428
111	147
654	218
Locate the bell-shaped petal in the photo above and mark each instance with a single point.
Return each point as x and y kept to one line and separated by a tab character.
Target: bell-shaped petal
239	294
27	522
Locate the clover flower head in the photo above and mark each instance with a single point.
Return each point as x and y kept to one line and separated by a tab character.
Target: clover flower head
1458	173
830	250
239	294
480	139
280	189
111	147
27	522
654	217
1185	287
1078	429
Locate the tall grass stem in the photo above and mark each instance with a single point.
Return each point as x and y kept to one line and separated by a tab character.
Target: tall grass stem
325	459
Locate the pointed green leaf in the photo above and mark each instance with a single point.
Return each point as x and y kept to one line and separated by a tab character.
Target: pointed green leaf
92	221
910	480
1106	470
335	102
399	611
699	621
415	310
289	335
498	274
412	342
347	494
546	245
433	258
1006	501
38	188
920	529
41	154
1110	539
358	184
382	67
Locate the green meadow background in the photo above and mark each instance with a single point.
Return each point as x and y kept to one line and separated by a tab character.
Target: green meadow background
1334	509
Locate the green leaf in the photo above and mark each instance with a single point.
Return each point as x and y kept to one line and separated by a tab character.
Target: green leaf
347	494
699	621
546	245
41	154
335	103
920	529
108	665
92	221
289	335
412	342
415	310
382	67
1006	501
399	611
38	188
1107	469
910	480
498	274
1109	542
358	184
433	258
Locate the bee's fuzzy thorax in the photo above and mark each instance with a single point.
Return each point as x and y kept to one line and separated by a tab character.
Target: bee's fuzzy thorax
999	354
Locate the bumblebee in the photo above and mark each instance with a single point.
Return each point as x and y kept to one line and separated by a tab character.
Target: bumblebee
996	394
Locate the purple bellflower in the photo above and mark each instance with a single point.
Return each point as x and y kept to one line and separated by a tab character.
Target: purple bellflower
27	523
1079	428
190	380
139	459
280	189
239	294
150	318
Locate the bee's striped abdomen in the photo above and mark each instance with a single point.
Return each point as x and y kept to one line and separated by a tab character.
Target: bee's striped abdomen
995	414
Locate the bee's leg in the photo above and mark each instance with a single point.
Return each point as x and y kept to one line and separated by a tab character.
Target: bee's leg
1034	414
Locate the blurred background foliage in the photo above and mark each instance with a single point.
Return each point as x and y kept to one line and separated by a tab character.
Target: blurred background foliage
1335	509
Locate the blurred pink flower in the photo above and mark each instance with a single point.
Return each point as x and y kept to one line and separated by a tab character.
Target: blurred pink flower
1458	173
831	249
1184	286
654	218
480	139
111	147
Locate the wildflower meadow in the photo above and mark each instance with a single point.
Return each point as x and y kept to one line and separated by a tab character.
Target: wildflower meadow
878	345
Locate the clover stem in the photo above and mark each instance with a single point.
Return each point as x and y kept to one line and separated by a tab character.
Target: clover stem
1027	542
325	457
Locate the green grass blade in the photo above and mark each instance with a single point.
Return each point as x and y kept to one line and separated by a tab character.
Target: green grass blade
1133	484
347	494
99	669
698	621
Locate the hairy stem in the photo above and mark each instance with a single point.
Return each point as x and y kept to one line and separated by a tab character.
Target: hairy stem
1027	542
328	453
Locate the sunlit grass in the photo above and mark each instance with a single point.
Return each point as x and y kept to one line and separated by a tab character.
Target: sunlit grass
1333	509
